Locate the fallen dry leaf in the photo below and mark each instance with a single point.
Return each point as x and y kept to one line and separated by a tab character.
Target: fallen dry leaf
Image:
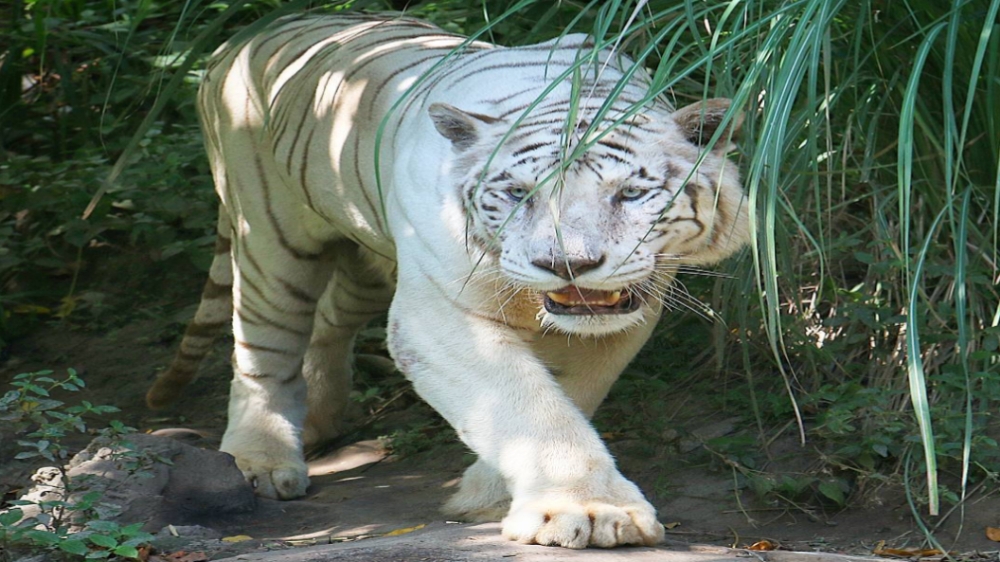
880	550
993	534
671	525
398	532
763	545
237	538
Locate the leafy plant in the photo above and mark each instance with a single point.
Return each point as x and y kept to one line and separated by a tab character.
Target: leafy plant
418	437
74	522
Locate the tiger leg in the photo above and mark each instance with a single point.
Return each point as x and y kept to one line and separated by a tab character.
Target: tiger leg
354	296
585	369
280	271
214	315
507	406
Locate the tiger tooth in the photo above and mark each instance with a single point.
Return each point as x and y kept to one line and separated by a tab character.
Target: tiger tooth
560	298
584	298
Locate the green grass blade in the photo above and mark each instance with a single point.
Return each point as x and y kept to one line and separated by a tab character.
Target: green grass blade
914	361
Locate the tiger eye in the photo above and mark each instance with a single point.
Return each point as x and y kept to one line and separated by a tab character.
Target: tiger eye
631	193
518	193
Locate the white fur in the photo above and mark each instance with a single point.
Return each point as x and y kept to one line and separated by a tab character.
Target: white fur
517	383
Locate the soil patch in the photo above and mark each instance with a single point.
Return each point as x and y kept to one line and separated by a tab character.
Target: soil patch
360	490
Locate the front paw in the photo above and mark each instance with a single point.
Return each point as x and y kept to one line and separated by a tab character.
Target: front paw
272	477
562	521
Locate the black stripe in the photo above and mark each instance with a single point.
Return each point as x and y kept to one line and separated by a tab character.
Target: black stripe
266	349
616	146
296	293
215	291
247	313
529	148
204	329
272	218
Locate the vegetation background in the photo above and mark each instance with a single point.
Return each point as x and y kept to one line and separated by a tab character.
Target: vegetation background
863	320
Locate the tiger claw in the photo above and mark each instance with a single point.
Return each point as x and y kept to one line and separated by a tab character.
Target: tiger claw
281	481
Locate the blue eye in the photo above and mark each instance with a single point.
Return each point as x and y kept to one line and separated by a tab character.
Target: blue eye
631	193
518	193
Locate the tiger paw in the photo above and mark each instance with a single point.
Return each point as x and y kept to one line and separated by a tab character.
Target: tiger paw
274	478
576	524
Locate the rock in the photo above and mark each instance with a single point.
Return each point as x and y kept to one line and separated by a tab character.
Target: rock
185	537
150	479
189	532
186	435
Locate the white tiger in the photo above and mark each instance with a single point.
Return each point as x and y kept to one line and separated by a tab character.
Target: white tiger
520	278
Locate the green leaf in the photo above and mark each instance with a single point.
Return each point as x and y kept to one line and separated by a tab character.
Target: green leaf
833	491
139	539
131	530
37	389
74	546
46	538
10	517
103	540
127	551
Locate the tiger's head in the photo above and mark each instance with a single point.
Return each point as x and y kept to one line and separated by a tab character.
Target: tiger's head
598	236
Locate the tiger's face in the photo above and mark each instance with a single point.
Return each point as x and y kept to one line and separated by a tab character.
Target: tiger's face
598	237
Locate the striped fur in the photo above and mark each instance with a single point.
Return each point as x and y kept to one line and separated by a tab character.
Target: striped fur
519	280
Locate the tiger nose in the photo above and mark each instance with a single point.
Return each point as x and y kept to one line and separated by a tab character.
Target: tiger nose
569	268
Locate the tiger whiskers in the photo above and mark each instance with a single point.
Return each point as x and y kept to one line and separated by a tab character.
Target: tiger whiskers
674	295
480	274
672	264
512	291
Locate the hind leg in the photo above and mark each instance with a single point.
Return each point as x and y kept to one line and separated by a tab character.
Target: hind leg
355	295
275	292
280	269
215	313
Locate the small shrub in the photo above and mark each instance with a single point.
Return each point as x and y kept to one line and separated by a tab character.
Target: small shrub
75	522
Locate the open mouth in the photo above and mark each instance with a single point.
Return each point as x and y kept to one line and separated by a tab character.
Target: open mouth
575	300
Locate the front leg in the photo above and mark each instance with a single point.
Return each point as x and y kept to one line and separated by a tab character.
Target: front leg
505	404
585	368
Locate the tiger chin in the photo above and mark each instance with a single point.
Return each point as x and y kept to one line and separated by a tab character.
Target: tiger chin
522	229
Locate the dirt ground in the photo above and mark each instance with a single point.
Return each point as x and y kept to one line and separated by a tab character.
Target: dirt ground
358	490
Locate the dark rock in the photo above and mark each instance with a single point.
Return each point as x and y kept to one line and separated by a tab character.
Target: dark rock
150	479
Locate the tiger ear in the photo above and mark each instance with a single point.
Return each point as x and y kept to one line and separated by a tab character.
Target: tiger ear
462	128
700	121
